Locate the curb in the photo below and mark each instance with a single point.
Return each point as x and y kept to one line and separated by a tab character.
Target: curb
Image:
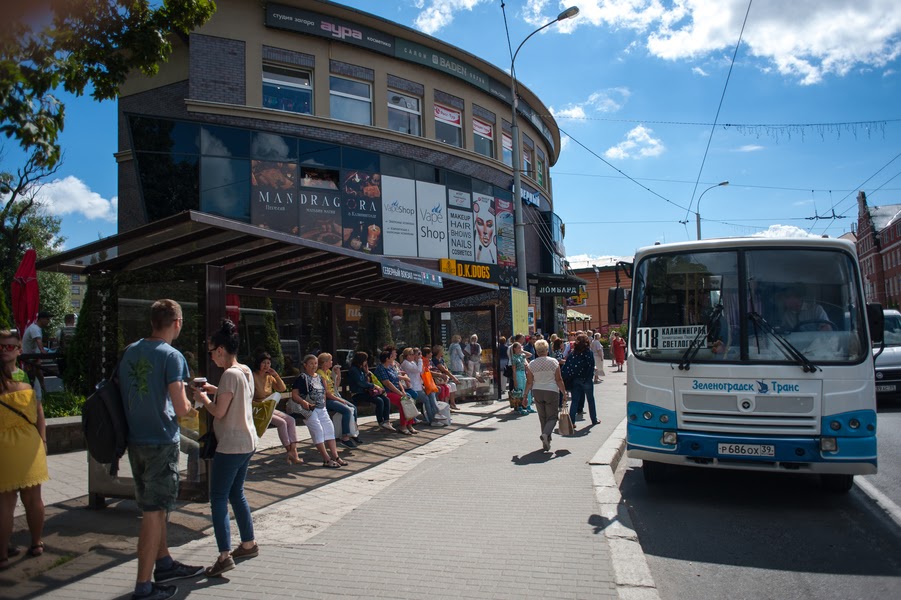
630	567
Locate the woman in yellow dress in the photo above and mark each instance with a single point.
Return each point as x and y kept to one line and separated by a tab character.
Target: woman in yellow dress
23	450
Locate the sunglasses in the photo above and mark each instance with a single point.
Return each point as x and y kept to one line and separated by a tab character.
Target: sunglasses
9	347
210	352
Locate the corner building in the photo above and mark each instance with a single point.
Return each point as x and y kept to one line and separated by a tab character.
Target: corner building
338	126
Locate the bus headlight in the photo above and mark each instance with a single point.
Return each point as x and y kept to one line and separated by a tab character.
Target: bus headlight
648	415
835	425
828	444
669	438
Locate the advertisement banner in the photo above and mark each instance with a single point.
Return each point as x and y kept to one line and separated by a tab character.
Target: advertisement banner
418	53
320	216
506	234
274	202
362	211
459	199
460	235
448	115
485	229
302	21
431	217
399	216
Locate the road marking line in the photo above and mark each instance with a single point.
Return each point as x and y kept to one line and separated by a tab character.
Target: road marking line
893	510
630	567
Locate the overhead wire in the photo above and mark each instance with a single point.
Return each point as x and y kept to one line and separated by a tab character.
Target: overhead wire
719	108
859	187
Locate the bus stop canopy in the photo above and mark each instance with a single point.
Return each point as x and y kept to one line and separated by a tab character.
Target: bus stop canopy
259	258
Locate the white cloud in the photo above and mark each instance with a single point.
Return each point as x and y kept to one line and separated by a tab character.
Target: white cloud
639	143
71	196
784	231
888	73
564	142
748	148
603	101
700	71
802	39
440	13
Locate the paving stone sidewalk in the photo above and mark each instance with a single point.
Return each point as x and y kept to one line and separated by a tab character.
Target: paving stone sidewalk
479	512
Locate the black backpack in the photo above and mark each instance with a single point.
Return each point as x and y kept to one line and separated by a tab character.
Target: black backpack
104	424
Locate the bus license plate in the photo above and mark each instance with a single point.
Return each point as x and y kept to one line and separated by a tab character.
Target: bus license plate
746	450
885	388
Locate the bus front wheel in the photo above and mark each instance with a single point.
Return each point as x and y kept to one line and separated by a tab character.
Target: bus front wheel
836	483
654	472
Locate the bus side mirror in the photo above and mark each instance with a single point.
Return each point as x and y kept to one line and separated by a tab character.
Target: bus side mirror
615	302
876	319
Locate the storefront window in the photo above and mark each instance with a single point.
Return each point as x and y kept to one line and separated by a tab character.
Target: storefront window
287	89
225	187
483	138
169	183
350	100
162	135
225	141
404	114
270	146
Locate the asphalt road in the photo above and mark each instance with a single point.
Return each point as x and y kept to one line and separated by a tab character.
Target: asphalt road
720	534
888	432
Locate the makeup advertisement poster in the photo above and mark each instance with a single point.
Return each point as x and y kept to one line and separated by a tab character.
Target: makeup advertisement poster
274	199
485	225
461	235
506	234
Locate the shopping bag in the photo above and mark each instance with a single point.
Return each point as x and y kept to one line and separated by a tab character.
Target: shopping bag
444	413
262	413
409	407
564	422
339	430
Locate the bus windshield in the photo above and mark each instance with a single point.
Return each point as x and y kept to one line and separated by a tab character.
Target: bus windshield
772	305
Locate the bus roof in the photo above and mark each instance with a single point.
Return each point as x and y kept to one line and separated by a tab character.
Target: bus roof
747	242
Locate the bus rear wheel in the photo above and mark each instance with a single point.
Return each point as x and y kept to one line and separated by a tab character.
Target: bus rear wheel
654	472
836	483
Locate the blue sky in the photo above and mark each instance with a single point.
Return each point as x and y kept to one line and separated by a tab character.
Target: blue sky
638	83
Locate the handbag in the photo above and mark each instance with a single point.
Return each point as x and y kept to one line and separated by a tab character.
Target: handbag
262	413
208	441
565	423
408	405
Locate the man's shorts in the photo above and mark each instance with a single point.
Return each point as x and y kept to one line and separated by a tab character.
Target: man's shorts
155	471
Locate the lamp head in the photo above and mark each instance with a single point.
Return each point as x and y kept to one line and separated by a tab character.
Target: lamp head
569	13
723	183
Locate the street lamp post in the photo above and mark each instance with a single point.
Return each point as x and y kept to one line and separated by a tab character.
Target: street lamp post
597	285
569	13
698	213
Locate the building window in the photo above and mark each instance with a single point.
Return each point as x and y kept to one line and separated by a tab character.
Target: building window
287	89
527	161
76	290
448	126
539	172
76	303
76	278
483	138
350	100
404	113
507	148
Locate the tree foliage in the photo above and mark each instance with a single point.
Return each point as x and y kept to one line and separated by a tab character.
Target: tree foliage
79	45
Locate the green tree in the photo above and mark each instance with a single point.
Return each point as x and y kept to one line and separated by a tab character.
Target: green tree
80	45
6	318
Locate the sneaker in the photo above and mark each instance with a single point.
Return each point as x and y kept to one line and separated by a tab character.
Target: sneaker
387	426
242	552
157	592
545	444
358	441
348	443
176	571
220	567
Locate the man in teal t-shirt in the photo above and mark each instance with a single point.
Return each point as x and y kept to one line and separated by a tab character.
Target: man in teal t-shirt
152	376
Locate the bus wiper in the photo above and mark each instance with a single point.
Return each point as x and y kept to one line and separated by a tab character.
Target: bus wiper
695	345
784	345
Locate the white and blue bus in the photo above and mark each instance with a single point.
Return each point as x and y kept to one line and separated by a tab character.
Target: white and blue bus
752	353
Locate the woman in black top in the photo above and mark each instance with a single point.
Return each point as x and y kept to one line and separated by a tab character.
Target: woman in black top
578	373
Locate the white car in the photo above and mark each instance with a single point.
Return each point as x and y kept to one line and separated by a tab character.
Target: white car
888	364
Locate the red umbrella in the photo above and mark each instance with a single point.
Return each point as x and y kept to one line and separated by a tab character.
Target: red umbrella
25	292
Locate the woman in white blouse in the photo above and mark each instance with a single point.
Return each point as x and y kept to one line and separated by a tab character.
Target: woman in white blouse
544	380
